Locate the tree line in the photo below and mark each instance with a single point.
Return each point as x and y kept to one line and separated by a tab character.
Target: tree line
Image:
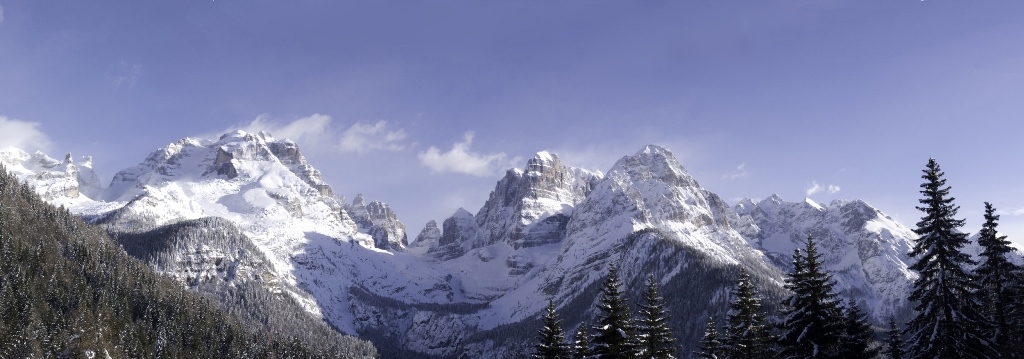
963	308
67	290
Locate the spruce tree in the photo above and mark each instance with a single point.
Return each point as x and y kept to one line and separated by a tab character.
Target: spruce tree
894	344
710	345
996	274
857	340
550	337
615	331
581	342
654	337
747	334
947	322
812	322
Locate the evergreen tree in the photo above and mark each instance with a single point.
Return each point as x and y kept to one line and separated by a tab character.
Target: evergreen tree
654	337
747	334
812	322
551	338
996	274
947	322
894	345
710	345
857	338
615	332
581	342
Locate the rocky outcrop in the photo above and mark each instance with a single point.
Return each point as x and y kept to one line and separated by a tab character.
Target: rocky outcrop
52	179
379	221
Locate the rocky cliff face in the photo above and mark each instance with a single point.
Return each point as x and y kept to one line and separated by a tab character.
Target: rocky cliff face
532	207
379	221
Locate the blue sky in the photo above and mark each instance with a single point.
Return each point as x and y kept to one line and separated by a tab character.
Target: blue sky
424	104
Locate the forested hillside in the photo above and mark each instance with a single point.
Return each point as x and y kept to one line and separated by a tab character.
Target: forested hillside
68	290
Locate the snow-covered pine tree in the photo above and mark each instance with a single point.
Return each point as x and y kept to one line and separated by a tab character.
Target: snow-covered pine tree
654	337
710	345
747	334
551	338
948	322
996	274
894	343
857	339
581	342
615	331
812	321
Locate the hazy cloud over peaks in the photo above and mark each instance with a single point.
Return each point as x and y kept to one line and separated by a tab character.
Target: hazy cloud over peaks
461	160
740	172
22	134
366	137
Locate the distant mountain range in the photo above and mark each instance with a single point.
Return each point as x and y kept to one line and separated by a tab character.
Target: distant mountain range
475	285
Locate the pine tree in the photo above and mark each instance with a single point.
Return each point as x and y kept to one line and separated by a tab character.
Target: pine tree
550	337
710	345
812	320
857	338
894	345
747	335
995	274
947	322
654	337
581	342
615	331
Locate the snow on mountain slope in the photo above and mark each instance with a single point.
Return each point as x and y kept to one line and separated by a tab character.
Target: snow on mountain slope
864	249
546	231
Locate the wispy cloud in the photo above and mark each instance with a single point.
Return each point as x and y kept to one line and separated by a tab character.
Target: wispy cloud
740	172
461	160
306	130
814	187
23	135
1019	211
123	73
1	14
366	137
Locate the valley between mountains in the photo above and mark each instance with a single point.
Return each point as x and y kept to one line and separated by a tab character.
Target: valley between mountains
248	211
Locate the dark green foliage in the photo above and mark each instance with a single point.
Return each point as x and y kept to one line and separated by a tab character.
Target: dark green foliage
581	342
996	275
894	343
550	338
654	337
812	317
710	345
857	339
747	334
615	330
948	322
67	290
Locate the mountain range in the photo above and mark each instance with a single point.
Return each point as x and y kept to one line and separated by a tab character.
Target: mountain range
249	210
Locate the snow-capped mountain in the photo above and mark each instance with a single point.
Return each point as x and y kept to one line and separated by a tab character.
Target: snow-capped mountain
473	286
865	250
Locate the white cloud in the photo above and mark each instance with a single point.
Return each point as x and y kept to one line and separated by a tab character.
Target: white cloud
461	160
814	188
1	14
306	130
124	74
365	137
740	172
22	134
